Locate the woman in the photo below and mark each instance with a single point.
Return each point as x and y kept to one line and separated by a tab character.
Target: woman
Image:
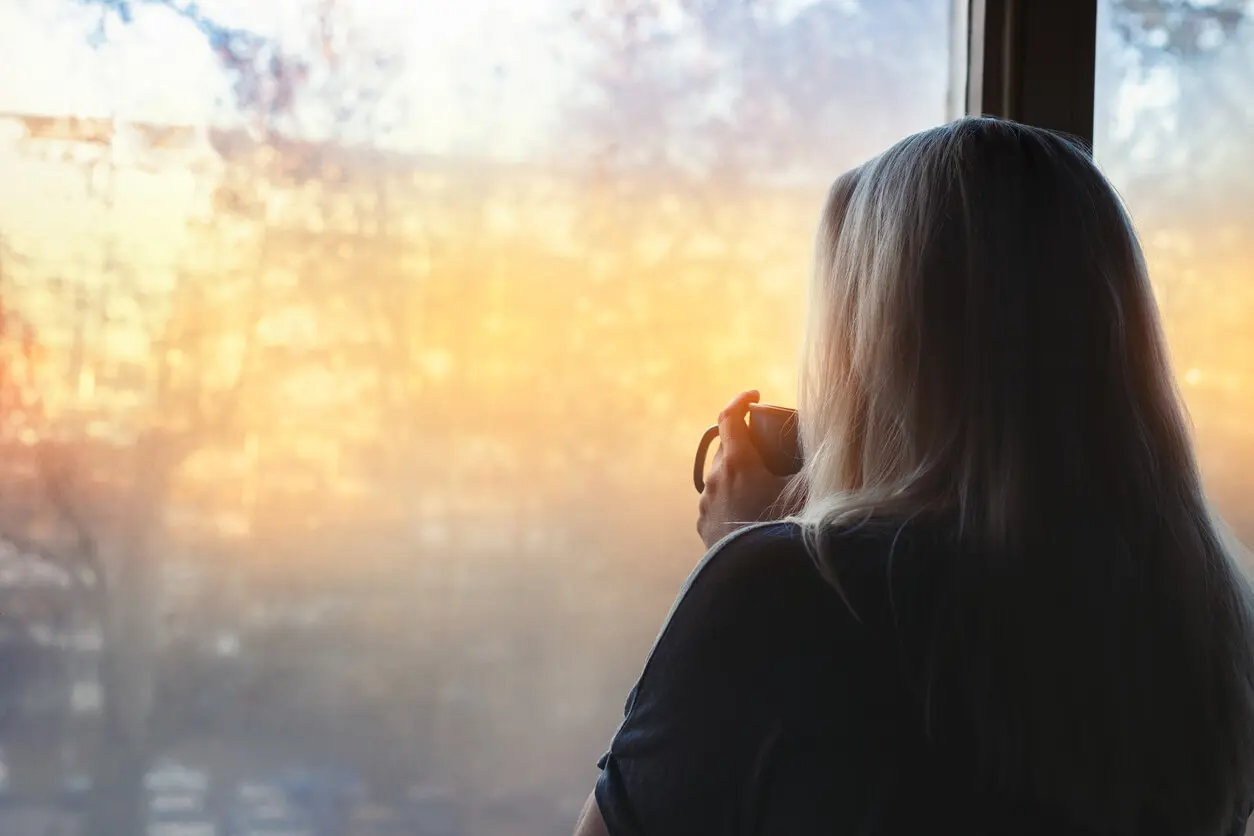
1001	606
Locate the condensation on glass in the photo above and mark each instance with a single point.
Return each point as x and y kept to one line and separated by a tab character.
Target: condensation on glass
1173	120
353	358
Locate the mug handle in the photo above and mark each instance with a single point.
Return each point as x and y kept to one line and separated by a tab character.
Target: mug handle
698	466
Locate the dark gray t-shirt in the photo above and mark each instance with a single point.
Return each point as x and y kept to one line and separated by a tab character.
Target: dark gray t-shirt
769	705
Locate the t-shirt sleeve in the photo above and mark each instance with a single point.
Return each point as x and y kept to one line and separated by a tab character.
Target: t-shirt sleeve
714	697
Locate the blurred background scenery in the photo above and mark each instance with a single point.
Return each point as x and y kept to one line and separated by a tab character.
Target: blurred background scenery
353	353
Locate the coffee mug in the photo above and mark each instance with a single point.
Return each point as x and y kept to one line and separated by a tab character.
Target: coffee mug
773	431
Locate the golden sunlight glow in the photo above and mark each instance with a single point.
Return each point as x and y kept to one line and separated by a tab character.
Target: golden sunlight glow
379	369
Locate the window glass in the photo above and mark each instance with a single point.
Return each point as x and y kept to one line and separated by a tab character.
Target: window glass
1173	121
354	357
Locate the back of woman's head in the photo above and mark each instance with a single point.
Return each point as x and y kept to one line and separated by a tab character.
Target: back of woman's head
984	350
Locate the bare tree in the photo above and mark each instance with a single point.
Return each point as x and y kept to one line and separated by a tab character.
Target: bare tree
108	472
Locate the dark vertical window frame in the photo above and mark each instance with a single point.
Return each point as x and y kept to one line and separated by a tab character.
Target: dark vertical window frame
1034	61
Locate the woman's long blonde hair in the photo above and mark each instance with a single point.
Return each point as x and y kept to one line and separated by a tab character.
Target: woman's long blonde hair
984	352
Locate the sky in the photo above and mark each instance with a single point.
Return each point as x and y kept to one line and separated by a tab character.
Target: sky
483	77
480	75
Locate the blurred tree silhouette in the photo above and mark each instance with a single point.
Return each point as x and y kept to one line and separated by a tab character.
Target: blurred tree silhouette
1178	29
205	363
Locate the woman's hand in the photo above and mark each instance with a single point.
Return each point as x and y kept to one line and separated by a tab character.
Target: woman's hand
739	489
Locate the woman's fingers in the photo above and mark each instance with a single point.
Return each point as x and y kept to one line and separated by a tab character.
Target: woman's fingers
739	488
733	432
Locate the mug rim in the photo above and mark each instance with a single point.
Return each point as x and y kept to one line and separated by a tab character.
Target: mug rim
770	407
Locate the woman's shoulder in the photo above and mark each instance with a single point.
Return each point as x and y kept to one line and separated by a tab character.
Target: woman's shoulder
785	573
753	555
787	548
755	609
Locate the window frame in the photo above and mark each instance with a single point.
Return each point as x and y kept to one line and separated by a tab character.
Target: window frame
1033	62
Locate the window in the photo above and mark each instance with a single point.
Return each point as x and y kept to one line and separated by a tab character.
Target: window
355	354
1172	128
